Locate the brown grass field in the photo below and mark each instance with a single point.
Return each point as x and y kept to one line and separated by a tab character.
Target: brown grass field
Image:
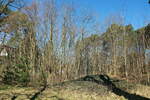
72	90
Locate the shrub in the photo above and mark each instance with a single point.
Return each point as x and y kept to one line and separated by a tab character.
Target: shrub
17	73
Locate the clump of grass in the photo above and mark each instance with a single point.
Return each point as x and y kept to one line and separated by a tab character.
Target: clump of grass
5	87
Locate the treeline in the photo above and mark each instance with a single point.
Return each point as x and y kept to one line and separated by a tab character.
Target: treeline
50	42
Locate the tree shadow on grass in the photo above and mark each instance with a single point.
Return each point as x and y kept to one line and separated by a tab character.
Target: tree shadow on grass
14	97
106	81
38	93
33	97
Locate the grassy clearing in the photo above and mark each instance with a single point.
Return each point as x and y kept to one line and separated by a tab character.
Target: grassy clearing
89	91
73	90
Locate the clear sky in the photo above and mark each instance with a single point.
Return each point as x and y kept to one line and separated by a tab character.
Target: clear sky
136	12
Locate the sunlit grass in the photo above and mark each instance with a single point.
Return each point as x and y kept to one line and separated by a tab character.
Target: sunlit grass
74	90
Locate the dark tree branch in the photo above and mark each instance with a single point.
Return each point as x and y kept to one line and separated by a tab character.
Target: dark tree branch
6	6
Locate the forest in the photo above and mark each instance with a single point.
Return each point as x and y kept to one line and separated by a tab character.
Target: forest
43	43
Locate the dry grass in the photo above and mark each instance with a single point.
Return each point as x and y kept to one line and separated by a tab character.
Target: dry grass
142	90
77	95
74	90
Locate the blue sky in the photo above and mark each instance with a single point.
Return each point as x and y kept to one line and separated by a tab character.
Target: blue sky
136	12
